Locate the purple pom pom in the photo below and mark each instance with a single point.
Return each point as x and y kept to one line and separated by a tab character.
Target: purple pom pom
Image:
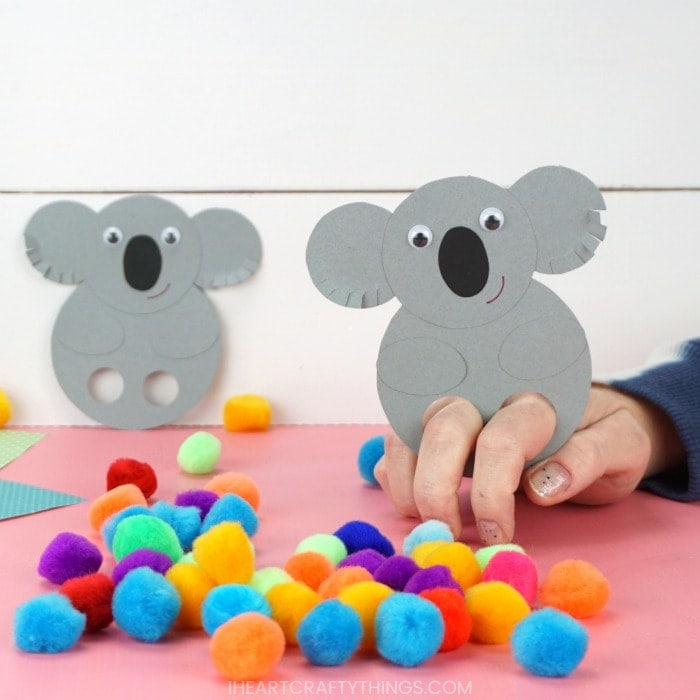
437	576
67	556
204	500
357	534
157	561
369	559
396	571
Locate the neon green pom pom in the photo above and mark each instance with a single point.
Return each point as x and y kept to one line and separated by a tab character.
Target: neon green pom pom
145	532
330	546
199	453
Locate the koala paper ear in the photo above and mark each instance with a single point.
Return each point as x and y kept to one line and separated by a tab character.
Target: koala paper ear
231	248
55	237
344	256
563	206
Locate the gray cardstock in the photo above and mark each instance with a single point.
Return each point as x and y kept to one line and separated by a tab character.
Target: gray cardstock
459	255
140	265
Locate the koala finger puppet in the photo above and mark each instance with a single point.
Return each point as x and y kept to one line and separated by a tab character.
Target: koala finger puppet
140	266
459	255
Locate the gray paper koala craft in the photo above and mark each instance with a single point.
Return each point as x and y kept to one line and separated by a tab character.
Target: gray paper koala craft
140	266
459	255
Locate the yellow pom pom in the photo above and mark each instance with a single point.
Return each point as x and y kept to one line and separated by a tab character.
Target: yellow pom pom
247	412
193	584
459	559
365	597
5	408
289	603
495	609
225	553
423	549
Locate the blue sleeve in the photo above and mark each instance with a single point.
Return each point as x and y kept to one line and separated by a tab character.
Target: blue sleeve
674	386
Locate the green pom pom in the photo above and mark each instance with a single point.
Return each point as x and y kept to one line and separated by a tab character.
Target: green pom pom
330	546
199	453
267	577
483	555
145	532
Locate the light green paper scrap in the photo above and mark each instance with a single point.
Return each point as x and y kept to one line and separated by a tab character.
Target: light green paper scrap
13	443
22	499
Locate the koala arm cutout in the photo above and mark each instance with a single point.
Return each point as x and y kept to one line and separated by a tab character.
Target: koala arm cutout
231	248
563	206
344	256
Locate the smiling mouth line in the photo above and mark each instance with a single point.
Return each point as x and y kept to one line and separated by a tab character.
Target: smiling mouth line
503	284
160	294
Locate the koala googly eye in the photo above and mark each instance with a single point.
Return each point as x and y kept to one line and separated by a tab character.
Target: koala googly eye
170	235
420	236
491	219
112	235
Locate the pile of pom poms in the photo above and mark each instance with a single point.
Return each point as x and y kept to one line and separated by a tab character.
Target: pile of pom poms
190	565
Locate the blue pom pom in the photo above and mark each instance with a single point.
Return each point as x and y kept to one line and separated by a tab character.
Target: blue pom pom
145	604
429	531
228	600
232	508
185	520
370	453
47	624
330	633
357	535
549	642
109	527
409	629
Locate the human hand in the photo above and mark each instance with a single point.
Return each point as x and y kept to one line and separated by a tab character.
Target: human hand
620	439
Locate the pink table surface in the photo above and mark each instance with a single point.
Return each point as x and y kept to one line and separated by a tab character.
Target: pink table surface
644	645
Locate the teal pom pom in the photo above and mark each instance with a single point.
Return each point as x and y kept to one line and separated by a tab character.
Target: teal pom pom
549	642
409	629
370	453
429	531
185	520
232	508
330	633
47	624
145	604
228	600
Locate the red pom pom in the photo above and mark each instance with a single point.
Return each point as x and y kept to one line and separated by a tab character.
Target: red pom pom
453	608
91	595
130	471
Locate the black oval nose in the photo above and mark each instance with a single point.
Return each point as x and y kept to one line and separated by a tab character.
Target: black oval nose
142	263
464	264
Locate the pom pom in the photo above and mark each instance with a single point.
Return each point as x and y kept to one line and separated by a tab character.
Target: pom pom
109	526
5	408
184	520
409	629
289	603
483	555
199	453
113	501
225	553
247	647
330	546
423	550
437	576
576	587
357	535
341	578
157	561
495	609
232	508
365	597
224	602
193	585
371	451
247	412
515	569
130	471
145	605
459	559
549	643
145	531
311	568
92	596
47	624
396	571
202	499
69	555
369	559
429	531
453	608
330	633
235	482
267	577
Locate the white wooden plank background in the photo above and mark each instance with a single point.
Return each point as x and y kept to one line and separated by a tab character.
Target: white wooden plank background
283	110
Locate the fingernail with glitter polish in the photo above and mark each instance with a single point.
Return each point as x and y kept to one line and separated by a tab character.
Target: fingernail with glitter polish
549	480
490	532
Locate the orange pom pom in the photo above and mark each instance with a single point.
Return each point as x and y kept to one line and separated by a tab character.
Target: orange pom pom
192	584
459	559
453	608
289	603
495	609
247	647
576	587
225	553
247	412
365	597
113	501
342	577
311	568
235	482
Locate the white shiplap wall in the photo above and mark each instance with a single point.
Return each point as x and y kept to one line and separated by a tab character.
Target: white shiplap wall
283	110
